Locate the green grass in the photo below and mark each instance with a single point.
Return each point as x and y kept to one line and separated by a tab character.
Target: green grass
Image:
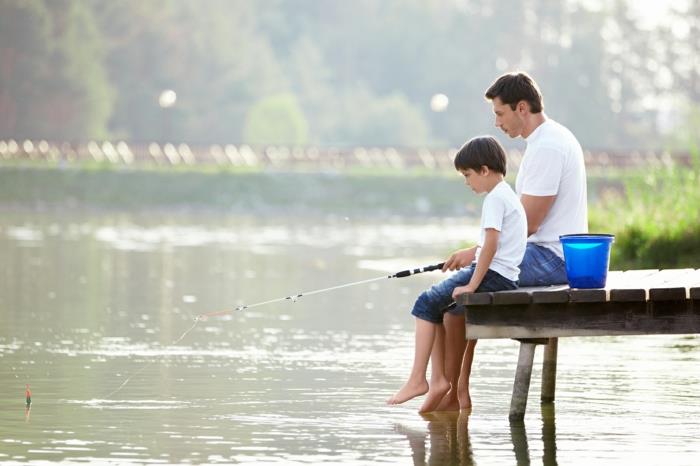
656	219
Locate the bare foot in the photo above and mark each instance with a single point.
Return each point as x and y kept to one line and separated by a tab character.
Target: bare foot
407	392
449	402
465	400
437	391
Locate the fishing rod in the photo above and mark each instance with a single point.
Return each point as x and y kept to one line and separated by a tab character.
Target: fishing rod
293	298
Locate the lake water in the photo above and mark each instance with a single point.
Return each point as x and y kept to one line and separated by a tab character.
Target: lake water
91	305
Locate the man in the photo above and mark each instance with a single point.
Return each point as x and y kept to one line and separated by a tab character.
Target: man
551	184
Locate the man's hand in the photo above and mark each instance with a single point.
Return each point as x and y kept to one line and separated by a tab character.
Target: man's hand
462	290
459	259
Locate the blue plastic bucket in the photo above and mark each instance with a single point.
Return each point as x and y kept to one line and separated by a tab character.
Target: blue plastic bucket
587	258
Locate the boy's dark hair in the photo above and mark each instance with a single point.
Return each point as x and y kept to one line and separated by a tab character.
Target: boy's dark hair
480	151
511	88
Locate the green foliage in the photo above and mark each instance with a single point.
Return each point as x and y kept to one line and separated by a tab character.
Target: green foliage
656	221
276	119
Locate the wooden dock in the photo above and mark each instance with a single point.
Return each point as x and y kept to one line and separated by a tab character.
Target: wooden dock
635	302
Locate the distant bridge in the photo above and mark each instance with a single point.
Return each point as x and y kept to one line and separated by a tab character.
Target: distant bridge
286	157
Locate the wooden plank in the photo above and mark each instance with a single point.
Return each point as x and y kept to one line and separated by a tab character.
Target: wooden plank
616	279
668	294
581	319
551	295
518	296
626	285
479	332
512	297
476	299
534	341
523	295
695	293
639	291
593	295
596	295
676	288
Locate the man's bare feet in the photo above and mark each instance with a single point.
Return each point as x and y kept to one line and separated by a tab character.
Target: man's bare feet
437	391
408	391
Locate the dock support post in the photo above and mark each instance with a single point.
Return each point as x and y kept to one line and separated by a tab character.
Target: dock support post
521	385
549	371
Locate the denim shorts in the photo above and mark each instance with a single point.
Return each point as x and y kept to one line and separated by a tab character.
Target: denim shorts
541	266
433	302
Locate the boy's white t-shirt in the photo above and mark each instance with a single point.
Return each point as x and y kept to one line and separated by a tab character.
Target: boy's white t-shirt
503	211
553	166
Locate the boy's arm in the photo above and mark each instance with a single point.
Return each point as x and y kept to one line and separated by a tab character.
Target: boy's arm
488	250
459	259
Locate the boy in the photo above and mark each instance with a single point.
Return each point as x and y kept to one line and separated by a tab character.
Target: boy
482	162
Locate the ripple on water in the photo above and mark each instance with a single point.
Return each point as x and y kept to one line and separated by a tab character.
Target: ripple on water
107	404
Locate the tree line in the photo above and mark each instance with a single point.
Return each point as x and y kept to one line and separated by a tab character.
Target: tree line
339	73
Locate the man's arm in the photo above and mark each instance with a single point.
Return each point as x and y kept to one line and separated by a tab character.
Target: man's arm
536	209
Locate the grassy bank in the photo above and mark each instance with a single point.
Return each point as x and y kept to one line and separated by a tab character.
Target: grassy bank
656	219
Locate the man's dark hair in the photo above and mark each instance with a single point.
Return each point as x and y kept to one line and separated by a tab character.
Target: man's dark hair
511	88
480	151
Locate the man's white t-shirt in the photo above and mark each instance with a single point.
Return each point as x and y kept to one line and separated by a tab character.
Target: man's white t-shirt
503	211
553	166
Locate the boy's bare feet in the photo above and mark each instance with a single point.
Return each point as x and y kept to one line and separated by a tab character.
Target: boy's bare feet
408	391
465	400
437	391
449	402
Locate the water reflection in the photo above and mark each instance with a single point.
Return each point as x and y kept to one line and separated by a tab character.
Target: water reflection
445	442
518	435
446	439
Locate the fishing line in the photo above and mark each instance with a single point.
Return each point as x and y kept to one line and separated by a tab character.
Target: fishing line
293	298
196	321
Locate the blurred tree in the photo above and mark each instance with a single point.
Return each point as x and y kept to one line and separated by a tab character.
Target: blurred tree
683	50
79	98
680	39
212	57
141	42
277	119
350	65
25	27
52	84
311	82
574	92
629	69
363	118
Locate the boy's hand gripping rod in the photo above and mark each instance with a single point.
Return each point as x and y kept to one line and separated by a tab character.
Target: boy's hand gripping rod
293	298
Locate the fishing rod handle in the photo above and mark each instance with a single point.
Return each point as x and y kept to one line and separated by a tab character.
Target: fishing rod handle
408	273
